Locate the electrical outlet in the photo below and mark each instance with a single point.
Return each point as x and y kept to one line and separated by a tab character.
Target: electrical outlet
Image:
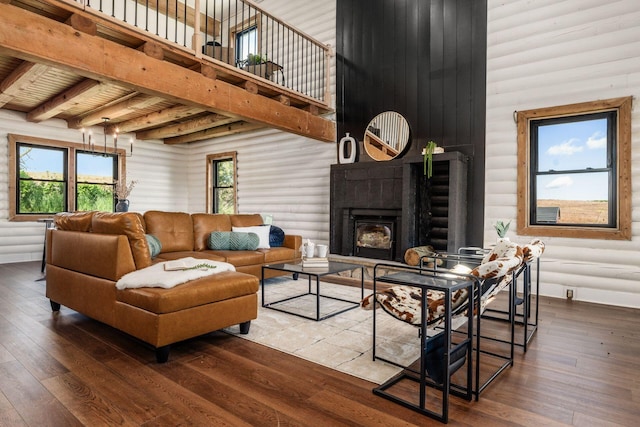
571	293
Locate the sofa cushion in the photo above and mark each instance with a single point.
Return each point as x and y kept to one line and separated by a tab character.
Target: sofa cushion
210	289
261	230
204	224
174	229
73	221
276	237
241	258
246	220
131	224
234	241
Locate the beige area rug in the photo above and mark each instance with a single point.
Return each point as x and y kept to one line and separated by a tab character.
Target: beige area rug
343	342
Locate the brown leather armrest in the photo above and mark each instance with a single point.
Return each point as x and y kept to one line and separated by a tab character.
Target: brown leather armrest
292	241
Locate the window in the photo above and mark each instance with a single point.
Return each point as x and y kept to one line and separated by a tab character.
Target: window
245	37
47	177
42	179
246	43
221	179
574	175
95	176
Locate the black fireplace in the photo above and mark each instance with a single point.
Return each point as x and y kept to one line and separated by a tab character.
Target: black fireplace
380	209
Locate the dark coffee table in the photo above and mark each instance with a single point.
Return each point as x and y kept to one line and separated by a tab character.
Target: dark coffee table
312	273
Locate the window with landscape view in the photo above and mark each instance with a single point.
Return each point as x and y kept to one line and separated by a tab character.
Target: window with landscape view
221	183
47	177
577	175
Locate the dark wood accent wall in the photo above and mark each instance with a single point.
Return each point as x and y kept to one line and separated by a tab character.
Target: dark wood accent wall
425	59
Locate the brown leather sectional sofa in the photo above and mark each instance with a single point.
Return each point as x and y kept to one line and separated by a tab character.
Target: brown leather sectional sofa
89	251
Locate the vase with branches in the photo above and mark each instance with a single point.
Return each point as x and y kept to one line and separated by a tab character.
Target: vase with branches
122	190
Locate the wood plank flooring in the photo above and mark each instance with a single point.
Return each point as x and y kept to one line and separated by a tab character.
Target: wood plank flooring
582	368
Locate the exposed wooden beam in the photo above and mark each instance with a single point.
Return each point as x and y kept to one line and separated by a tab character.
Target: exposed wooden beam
93	57
250	87
138	102
82	23
84	90
158	117
285	100
24	75
214	132
186	127
153	50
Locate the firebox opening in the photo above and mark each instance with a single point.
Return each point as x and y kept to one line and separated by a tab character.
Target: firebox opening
374	239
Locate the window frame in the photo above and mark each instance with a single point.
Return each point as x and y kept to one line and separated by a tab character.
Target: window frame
251	22
211	158
71	149
621	153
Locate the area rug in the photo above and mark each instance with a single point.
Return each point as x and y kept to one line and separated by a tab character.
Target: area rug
343	342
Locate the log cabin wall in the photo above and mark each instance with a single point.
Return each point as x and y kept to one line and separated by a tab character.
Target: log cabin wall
544	54
425	60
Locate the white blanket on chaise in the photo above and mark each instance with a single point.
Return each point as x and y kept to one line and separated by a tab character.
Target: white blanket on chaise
156	276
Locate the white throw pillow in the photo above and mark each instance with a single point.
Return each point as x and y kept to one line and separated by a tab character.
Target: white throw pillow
261	230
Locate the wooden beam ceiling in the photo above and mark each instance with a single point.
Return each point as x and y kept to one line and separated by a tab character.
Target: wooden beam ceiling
81	92
19	80
75	47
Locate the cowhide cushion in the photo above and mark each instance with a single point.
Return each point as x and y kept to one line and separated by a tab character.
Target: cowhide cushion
533	250
503	258
404	302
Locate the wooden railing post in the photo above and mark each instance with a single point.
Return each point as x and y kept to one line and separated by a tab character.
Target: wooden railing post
328	54
196	39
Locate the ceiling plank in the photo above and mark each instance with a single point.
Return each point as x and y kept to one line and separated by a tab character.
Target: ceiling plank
165	115
93	57
216	132
84	90
184	128
23	76
138	102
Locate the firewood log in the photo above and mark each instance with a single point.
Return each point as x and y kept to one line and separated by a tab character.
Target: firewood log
412	255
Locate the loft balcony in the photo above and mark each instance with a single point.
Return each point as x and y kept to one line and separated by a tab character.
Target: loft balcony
163	69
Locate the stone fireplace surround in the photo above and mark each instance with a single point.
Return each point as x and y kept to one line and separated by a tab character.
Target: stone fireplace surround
425	212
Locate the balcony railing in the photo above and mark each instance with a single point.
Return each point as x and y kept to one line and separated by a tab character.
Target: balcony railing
236	33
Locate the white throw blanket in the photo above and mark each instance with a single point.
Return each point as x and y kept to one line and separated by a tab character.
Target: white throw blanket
156	276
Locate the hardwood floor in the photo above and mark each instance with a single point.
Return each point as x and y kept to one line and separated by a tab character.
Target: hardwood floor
582	368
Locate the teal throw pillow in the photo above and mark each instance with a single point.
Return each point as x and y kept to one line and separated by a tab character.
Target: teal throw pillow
233	241
155	247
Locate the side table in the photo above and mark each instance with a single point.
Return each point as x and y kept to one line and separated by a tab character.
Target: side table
439	351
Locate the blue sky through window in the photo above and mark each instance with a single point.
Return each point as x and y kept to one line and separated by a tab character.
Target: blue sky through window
573	146
40	160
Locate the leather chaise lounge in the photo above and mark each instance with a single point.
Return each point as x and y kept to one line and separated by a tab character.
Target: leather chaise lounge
88	252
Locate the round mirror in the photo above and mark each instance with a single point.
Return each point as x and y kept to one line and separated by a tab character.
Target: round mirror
386	136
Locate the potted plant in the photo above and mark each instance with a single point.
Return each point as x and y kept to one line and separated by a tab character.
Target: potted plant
427	154
256	64
501	228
